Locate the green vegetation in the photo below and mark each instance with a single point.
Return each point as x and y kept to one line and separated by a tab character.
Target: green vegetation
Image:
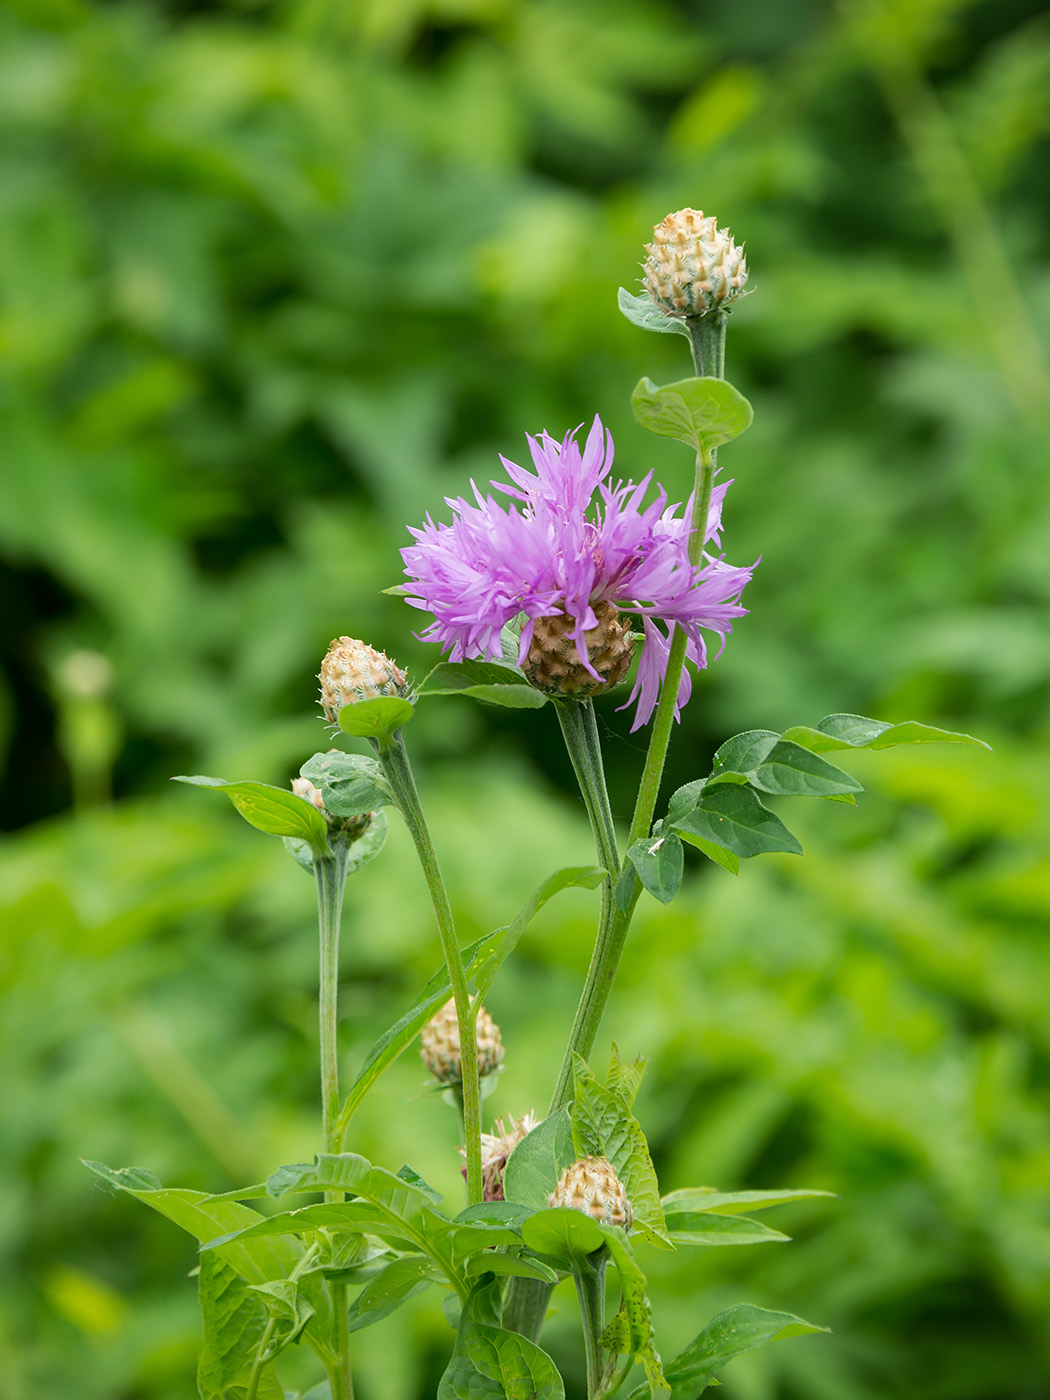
274	279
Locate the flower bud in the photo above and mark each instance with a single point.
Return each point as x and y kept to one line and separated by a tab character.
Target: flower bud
553	663
440	1050
353	671
693	265
352	827
592	1186
496	1149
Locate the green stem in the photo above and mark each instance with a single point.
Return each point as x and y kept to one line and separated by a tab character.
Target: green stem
393	757
580	732
330	877
525	1303
590	1290
257	1366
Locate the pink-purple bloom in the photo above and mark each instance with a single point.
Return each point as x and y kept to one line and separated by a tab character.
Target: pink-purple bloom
566	541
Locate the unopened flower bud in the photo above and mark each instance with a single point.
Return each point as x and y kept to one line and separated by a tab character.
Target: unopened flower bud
496	1149
353	671
440	1050
553	662
693	265
591	1185
352	827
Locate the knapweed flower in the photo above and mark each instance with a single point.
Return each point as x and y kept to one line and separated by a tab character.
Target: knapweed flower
591	1185
352	671
570	553
352	827
693	266
440	1050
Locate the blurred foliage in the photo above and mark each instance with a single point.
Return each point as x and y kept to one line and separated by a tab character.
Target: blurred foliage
276	277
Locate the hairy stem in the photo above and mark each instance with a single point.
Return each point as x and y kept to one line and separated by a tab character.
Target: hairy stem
590	1290
393	757
330	877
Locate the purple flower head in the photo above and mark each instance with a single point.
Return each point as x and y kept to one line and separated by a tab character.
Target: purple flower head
566	541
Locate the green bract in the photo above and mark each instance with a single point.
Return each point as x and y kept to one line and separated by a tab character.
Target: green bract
705	413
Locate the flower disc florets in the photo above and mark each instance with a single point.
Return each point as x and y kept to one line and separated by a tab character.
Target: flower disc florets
693	265
569	553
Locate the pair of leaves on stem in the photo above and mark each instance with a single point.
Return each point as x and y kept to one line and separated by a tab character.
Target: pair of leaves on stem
723	815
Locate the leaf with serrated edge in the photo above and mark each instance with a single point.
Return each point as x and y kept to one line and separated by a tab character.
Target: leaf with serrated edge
730	1334
636	1309
274	810
703	412
733	817
708	1200
624	1080
603	1126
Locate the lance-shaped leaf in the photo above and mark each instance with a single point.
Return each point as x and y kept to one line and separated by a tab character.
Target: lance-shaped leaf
709	1200
643	312
730	1334
497	683
695	1227
273	810
604	1126
350	783
377	719
482	961
402	1279
703	412
734	818
857	732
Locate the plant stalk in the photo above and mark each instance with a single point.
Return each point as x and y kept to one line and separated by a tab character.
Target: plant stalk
330	878
394	759
590	1290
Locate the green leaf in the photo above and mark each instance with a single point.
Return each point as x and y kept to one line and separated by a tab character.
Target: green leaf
537	1162
728	860
603	1126
518	1265
273	810
734	818
790	770
705	413
402	1279
491	1363
743	752
234	1322
706	1199
377	719
350	783
660	863
482	961
638	1338
563	1234
495	682
625	1080
730	1334
643	312
696	1227
857	732
289	1310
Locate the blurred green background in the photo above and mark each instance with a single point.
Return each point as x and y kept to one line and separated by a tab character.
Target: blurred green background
274	279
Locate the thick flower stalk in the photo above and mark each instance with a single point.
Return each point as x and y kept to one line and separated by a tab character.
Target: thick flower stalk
571	553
